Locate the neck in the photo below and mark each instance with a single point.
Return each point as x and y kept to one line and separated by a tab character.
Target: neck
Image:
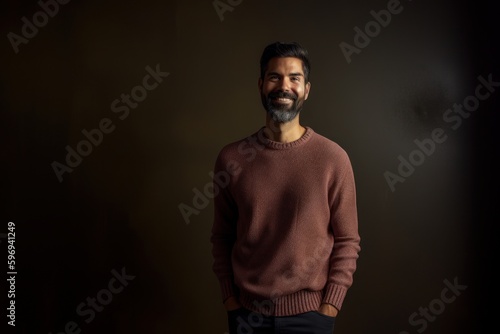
284	132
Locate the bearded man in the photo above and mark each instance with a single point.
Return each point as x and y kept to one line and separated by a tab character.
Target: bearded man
285	238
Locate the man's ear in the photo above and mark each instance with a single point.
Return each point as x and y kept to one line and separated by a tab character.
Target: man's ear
260	84
306	90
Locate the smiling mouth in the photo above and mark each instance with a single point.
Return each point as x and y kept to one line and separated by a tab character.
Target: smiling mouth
283	100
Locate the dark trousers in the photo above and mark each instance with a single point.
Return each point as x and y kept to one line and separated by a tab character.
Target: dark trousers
243	321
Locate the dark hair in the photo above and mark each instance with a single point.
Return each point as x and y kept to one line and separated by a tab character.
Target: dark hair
281	49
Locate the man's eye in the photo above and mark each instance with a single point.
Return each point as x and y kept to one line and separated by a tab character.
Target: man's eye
295	79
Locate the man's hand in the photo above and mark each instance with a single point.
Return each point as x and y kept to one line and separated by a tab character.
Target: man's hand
231	304
328	309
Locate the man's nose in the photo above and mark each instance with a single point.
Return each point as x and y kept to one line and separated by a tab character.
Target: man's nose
284	84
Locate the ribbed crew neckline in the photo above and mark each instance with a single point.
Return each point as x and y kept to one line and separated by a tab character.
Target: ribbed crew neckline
283	146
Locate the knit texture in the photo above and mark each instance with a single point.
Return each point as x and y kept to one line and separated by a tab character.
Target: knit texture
285	232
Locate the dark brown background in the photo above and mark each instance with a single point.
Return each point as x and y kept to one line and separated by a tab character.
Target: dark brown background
119	208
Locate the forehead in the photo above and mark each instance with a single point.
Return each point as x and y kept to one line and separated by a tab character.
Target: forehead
285	65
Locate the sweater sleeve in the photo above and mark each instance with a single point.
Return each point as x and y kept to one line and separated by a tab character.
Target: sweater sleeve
344	224
223	233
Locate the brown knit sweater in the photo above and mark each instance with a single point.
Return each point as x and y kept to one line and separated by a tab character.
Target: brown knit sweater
285	233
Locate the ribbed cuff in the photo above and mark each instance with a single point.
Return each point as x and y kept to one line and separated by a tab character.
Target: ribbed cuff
227	288
334	294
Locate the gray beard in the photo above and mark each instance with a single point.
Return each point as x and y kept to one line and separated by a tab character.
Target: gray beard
282	116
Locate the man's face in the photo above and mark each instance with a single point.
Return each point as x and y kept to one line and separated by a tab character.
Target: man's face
283	89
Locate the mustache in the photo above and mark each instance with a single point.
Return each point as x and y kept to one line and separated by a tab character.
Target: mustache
274	95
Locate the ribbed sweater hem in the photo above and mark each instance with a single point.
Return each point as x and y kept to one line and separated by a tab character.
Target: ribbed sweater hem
299	302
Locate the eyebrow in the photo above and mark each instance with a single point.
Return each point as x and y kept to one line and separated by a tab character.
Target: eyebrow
297	74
